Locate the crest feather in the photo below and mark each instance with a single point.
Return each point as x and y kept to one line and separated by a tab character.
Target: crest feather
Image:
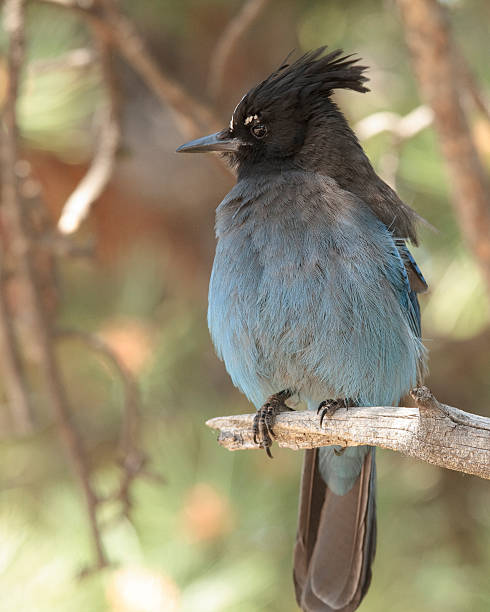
312	73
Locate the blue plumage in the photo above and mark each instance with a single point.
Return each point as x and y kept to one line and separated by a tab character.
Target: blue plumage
309	292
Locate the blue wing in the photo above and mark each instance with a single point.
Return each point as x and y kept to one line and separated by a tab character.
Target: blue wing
415	283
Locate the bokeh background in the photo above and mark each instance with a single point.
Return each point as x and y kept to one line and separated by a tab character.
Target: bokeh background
218	535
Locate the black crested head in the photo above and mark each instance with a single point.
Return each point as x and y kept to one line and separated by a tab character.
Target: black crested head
274	119
289	121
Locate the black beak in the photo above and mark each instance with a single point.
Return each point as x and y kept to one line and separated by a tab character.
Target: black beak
214	142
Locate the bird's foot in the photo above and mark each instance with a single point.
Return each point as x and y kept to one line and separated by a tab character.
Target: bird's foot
329	407
265	417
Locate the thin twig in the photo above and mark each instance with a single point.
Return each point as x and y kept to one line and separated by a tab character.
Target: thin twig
228	42
133	460
433	432
132	400
428	38
99	174
16	227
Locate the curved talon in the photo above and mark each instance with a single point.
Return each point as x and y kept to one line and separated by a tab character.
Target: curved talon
329	407
263	431
321	418
255	428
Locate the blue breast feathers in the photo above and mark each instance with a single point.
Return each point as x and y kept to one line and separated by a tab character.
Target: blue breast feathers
309	292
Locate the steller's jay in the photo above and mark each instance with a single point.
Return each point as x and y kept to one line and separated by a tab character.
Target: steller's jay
313	294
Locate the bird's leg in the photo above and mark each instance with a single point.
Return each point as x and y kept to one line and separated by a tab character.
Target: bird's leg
329	407
264	419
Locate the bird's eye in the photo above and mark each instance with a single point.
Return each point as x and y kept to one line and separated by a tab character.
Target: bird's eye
259	130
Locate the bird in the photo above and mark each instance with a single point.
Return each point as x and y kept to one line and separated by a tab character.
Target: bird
313	299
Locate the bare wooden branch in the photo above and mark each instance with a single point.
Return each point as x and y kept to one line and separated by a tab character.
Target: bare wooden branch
432	432
21	248
228	42
436	66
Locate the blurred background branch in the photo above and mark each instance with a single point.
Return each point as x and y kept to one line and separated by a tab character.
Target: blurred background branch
20	245
107	142
132	460
13	373
193	117
228	42
437	69
20	242
400	129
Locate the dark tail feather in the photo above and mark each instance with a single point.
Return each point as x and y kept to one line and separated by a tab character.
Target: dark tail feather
336	540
